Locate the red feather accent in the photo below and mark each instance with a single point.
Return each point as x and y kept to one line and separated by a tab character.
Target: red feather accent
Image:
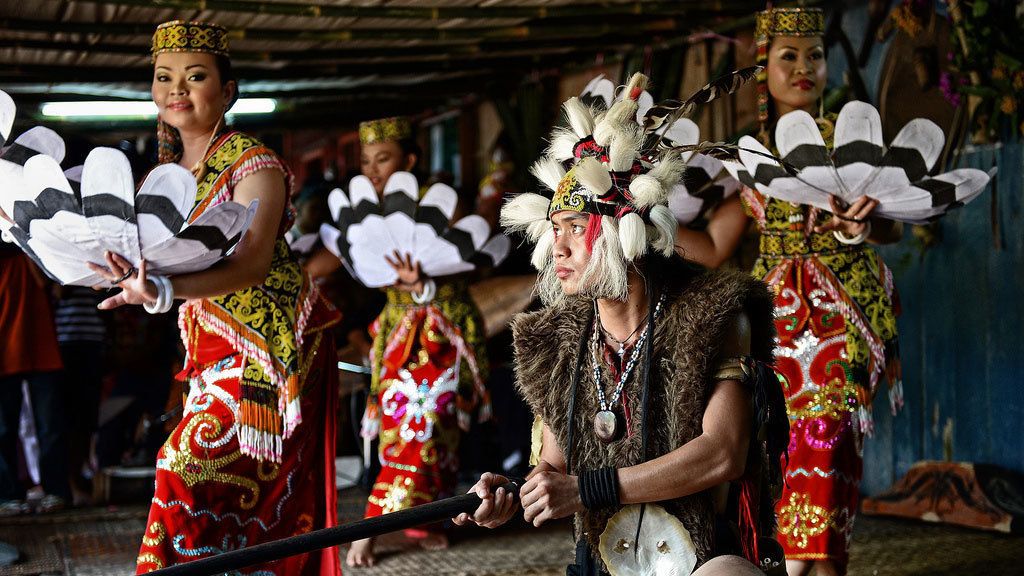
593	231
748	513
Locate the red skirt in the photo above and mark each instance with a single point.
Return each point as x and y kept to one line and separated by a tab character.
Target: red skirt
820	496
210	498
418	409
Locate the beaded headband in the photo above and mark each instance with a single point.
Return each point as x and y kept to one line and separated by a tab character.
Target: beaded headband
384	130
781	22
182	36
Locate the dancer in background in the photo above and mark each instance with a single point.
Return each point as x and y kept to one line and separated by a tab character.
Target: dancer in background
427	356
835	307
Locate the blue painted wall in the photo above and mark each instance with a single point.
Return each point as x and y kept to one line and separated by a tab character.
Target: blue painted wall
960	334
961	327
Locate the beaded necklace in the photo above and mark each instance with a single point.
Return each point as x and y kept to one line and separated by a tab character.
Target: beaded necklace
607	425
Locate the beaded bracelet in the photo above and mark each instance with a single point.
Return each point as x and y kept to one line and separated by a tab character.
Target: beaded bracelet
599	488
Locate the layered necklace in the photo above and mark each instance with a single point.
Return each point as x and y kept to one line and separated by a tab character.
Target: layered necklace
608	424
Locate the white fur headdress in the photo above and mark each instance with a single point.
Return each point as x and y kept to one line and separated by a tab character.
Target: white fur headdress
598	165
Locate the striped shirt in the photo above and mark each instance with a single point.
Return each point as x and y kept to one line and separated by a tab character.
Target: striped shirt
77	318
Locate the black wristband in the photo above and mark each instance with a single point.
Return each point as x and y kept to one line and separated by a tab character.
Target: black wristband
599	488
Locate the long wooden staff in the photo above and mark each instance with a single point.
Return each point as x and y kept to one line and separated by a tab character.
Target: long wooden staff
318	539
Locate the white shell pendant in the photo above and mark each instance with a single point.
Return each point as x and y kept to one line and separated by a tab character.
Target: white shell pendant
606	426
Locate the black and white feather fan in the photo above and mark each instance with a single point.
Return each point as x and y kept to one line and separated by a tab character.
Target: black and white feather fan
64	220
859	164
365	231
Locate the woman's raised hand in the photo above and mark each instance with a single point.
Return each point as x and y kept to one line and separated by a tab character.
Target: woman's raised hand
410	278
851	220
135	287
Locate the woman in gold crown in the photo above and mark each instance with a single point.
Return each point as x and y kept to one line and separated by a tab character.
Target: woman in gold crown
253	458
417	339
835	307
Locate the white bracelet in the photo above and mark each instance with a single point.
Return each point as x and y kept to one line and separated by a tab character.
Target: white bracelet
858	239
154	307
429	291
170	293
164	295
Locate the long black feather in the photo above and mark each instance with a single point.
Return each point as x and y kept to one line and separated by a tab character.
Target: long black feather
665	113
724	85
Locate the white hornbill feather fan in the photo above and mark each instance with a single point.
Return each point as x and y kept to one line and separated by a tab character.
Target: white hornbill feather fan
364	231
64	224
859	164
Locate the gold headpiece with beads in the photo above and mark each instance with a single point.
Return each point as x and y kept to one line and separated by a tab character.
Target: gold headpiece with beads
781	22
182	36
791	22
384	130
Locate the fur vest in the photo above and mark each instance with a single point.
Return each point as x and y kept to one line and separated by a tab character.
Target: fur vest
699	309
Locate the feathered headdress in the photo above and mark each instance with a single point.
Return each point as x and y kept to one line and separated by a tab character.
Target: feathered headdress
597	165
618	167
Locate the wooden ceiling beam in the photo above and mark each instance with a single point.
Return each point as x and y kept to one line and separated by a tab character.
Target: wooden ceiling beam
520	33
435	13
49	73
398	53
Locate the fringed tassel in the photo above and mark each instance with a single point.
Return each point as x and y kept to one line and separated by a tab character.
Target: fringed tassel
259	431
370	425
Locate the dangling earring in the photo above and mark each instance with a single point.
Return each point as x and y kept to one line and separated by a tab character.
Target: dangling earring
200	169
825	126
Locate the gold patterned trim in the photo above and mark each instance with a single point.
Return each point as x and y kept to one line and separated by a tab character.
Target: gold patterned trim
384	130
571	195
791	22
182	36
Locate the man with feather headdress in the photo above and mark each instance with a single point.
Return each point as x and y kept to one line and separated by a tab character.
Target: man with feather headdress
661	424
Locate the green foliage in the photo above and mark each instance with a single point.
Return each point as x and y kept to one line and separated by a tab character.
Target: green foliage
993	55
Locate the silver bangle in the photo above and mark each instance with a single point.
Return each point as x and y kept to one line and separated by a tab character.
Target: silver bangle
858	239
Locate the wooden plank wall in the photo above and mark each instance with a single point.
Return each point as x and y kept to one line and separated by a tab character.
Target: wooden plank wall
963	353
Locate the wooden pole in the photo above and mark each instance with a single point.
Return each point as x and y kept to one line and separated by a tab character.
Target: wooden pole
319	539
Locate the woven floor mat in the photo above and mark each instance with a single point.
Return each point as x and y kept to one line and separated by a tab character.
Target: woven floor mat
39	554
886	546
100	552
78	516
521	550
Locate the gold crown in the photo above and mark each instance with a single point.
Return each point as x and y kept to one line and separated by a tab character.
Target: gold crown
182	36
384	130
791	22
